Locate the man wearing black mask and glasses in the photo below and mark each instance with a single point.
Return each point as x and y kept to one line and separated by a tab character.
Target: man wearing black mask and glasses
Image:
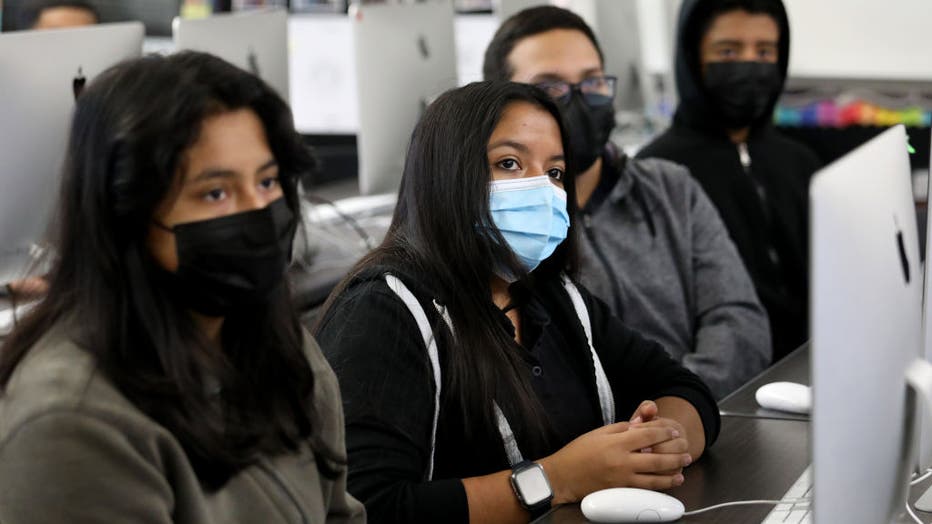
653	246
731	64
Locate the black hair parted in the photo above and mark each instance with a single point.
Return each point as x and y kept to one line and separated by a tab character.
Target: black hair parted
524	24
130	131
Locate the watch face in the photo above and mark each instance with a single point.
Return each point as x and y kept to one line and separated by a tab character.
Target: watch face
533	485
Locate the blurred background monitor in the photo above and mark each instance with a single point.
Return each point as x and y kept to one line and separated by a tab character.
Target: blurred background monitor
35	115
405	57
318	6
254	40
323	77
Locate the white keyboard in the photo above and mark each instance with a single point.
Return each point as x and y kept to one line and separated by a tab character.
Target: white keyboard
794	513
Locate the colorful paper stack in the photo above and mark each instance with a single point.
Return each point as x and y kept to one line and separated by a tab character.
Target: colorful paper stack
827	113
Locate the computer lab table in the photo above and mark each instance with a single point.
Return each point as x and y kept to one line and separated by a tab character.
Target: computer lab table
759	454
754	458
792	368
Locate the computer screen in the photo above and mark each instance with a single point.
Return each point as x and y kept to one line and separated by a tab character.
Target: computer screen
256	41
38	74
323	76
405	57
866	293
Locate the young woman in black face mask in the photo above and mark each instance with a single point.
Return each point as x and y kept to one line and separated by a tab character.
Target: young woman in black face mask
165	378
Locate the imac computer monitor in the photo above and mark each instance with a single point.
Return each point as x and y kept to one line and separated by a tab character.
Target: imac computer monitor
866	294
925	435
256	41
404	59
40	71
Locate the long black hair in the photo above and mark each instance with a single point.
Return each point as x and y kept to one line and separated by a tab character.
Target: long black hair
130	130
443	232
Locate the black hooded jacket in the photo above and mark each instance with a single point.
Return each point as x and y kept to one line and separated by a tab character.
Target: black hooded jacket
761	197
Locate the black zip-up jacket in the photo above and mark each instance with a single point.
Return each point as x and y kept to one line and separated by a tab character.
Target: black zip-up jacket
760	188
374	345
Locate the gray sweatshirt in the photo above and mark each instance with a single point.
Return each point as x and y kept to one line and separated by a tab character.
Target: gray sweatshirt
74	449
657	252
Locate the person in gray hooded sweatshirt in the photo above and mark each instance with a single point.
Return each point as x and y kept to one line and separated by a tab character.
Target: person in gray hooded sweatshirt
654	247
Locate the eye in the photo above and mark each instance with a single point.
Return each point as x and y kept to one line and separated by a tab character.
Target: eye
556	174
269	183
215	195
556	89
727	53
508	164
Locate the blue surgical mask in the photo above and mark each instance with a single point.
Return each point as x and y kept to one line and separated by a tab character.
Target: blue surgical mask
531	214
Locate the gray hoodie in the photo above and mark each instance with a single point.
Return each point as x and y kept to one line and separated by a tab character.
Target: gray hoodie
74	449
657	252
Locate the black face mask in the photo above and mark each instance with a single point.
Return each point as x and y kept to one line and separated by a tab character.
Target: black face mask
742	91
234	261
589	128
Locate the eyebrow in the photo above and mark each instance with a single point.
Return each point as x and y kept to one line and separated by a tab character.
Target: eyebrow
554	77
212	173
270	163
731	42
509	143
522	148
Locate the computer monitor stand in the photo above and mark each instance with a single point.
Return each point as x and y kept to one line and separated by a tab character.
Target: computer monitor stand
919	378
925	502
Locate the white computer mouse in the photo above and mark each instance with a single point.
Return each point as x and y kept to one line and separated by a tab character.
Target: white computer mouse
785	396
631	505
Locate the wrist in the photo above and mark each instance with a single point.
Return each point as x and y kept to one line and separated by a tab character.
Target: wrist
561	492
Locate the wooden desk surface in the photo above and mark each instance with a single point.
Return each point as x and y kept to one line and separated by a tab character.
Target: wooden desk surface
793	368
754	458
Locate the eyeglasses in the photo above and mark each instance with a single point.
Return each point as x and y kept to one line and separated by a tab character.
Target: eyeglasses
596	90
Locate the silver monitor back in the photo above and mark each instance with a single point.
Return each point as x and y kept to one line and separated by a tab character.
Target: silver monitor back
255	41
405	57
503	9
37	74
925	439
866	293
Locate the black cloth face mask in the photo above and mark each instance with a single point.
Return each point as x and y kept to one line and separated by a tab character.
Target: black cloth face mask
589	128
742	91
231	262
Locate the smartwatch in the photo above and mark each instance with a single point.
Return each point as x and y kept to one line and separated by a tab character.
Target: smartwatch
532	487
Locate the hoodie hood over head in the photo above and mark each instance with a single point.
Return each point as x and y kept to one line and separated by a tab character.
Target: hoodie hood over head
696	108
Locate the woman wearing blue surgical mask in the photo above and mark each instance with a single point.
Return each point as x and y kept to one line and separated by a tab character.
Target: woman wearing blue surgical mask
480	383
165	376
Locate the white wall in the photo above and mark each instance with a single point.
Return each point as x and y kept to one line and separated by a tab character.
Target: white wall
863	39
873	39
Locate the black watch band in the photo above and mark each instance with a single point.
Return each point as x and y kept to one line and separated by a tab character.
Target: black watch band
532	487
